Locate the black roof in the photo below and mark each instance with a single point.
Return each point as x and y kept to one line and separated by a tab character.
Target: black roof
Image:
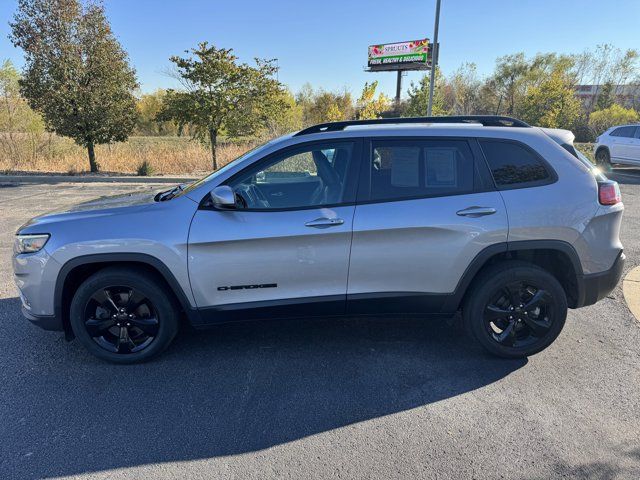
485	120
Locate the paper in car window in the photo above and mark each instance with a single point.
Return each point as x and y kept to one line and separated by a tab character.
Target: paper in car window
441	168
405	165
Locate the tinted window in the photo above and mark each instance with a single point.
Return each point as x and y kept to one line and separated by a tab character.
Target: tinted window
624	132
408	169
513	164
305	177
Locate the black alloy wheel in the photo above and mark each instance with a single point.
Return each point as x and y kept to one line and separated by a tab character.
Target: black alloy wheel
519	314
124	314
121	320
515	309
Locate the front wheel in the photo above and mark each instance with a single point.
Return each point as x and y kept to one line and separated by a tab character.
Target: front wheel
123	316
515	309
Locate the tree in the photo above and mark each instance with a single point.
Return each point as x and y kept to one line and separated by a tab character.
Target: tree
76	75
222	95
601	120
320	106
16	118
606	96
553	104
286	120
149	106
509	80
368	107
419	97
465	90
606	65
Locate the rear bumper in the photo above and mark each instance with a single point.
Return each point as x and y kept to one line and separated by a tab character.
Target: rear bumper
596	286
46	322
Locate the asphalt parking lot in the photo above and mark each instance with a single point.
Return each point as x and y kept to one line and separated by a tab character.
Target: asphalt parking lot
392	398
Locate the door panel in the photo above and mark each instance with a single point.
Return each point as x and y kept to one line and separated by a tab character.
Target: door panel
247	256
421	246
622	143
634	147
426	209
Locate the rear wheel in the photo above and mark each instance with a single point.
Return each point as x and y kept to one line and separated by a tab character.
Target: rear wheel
123	316
603	159
515	309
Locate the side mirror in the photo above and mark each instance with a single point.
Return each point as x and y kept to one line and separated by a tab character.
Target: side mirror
223	197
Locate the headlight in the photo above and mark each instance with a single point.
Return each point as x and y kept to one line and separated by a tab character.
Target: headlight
30	243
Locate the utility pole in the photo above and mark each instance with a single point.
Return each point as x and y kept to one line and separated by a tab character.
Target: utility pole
434	59
398	92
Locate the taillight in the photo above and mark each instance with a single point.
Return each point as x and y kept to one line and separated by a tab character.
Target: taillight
609	193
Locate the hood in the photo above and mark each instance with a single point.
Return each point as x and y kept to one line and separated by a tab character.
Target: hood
108	205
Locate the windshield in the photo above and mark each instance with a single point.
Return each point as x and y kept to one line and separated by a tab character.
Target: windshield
231	164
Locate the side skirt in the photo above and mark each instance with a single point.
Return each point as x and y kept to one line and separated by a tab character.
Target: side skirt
370	305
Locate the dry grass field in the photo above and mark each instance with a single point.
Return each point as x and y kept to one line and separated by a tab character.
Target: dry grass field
164	155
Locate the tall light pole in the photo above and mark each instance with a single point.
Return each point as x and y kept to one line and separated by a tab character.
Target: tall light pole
434	59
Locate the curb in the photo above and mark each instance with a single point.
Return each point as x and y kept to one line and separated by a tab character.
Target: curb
52	179
631	291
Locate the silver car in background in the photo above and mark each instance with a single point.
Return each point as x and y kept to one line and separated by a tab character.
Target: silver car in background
414	216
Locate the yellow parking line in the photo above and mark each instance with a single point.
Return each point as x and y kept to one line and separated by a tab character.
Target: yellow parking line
631	291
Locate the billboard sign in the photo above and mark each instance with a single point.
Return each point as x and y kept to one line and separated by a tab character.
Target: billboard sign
398	54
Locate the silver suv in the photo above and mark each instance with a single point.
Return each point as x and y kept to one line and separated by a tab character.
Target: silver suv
420	216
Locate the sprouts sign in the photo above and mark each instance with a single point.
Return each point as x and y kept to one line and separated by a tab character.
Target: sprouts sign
399	54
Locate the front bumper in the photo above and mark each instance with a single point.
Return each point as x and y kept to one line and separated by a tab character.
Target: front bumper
35	277
596	286
46	322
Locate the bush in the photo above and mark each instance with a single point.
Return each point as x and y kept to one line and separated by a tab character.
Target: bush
145	169
606	118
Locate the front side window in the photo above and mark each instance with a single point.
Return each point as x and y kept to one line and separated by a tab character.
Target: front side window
514	165
403	169
306	177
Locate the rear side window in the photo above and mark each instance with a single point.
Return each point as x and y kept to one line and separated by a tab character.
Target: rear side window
404	169
628	132
514	165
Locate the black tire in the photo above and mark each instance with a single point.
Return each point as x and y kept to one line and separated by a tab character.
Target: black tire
520	331
603	159
132	336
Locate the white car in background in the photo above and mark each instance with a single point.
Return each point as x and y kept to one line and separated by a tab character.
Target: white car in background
619	144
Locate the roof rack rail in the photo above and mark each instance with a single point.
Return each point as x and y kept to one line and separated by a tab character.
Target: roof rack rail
484	120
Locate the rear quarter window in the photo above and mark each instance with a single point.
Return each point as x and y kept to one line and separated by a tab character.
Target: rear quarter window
514	165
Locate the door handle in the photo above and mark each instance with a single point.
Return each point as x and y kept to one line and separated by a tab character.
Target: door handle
324	222
475	212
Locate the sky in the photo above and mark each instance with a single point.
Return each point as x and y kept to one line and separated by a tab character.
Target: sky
325	43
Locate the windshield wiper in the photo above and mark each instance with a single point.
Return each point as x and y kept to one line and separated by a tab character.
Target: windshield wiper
169	194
